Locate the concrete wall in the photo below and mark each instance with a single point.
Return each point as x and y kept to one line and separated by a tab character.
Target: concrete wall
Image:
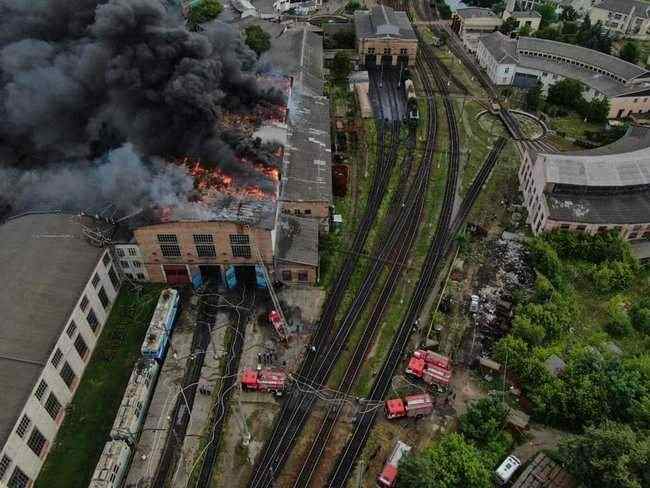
500	74
471	29
376	46
131	262
220	231
532	183
16	448
295	270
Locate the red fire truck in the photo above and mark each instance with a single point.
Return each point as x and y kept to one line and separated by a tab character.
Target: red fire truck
411	406
431	367
388	475
276	322
264	380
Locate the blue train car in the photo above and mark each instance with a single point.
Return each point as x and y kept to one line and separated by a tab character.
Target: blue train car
161	325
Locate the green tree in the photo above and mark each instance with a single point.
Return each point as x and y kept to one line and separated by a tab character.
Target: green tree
509	25
609	456
597	110
568	14
566	93
258	40
640	314
544	258
619	323
204	11
341	67
352	6
547	11
524	31
450	463
569	29
484	420
534	97
630	52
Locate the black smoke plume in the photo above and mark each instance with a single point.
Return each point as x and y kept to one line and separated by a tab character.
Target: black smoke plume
79	78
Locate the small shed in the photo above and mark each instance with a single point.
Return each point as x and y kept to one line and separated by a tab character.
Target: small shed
555	365
542	472
518	420
488	366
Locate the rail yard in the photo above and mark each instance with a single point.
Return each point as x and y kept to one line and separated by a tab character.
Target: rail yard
331	249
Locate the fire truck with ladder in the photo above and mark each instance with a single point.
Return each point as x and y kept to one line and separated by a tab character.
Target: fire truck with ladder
264	380
411	406
388	475
431	367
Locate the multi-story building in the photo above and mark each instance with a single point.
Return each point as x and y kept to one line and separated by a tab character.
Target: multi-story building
525	61
385	36
629	18
470	23
61	292
591	191
525	18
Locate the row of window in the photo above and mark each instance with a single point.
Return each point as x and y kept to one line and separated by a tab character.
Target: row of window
128	264
287	275
204	244
18	478
388	51
137	276
132	252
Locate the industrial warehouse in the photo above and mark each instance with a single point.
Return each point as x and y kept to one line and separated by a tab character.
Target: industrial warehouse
591	191
524	61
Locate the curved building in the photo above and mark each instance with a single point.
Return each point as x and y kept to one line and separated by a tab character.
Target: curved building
527	60
591	191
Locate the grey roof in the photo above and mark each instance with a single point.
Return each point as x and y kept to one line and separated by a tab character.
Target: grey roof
502	48
474	12
624	208
641	9
298	53
625	70
307	174
526	14
382	21
555	365
626	162
298	240
640	249
47	263
542	472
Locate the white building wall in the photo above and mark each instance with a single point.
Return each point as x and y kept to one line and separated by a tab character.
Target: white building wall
16	448
500	74
131	261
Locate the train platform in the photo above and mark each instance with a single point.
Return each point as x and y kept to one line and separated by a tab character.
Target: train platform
152	440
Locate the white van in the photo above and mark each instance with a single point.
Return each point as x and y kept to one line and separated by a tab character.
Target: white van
507	468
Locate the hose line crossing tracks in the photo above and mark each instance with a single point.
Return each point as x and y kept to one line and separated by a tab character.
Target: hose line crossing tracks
328	341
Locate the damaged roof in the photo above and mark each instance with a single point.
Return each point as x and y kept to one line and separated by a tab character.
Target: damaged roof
307	175
382	21
49	263
623	208
298	240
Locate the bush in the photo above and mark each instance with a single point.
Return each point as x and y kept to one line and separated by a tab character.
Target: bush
640	315
204	11
618	320
544	258
258	40
484	420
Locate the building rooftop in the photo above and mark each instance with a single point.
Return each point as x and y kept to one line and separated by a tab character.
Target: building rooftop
555	365
475	12
298	240
382	21
641	9
48	263
501	47
307	174
623	208
599	167
526	14
617	66
542	472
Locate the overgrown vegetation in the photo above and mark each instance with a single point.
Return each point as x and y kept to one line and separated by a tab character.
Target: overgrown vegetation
585	34
89	416
567	95
590	307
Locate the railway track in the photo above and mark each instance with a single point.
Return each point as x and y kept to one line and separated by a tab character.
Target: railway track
324	348
221	407
411	214
180	415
